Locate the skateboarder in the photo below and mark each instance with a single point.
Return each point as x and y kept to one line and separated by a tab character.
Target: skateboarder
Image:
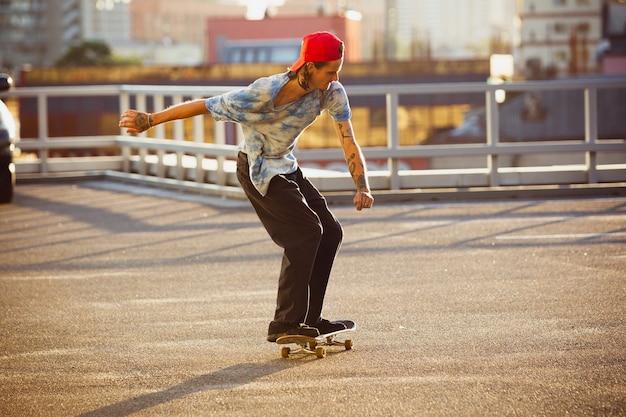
273	112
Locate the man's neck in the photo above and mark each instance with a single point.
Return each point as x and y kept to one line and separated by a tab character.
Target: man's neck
291	92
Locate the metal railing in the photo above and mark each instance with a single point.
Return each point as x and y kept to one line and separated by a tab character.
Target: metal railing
191	163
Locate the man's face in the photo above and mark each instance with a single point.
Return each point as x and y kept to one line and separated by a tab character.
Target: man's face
321	78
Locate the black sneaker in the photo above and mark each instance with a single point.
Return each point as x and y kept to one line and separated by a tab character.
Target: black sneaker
278	329
325	326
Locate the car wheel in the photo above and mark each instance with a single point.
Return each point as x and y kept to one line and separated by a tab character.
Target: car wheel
7	182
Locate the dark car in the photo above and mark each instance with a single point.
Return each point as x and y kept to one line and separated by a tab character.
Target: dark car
7	145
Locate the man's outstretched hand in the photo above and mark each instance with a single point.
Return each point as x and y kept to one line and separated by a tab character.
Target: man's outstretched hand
135	121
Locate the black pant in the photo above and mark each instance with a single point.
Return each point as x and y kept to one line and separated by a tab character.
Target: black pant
298	220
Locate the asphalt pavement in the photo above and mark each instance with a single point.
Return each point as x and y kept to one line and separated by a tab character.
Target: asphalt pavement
120	300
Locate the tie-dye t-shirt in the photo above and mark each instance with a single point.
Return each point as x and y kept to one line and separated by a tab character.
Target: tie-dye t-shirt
271	133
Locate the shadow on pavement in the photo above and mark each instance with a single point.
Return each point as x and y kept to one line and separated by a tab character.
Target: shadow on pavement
227	378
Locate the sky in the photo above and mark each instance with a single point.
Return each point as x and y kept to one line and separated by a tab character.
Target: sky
256	8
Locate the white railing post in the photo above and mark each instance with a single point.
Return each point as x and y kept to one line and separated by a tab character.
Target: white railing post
220	139
493	136
591	132
393	139
198	137
179	135
143	153
125	151
42	124
159	132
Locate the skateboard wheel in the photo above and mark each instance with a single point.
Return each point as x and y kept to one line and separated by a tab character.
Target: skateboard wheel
284	352
320	352
348	344
313	344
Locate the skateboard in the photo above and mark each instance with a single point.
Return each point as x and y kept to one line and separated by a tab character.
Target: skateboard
316	345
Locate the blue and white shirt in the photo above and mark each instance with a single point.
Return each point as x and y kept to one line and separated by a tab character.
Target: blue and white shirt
271	133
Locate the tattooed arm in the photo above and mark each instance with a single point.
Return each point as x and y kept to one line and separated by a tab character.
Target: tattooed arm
136	121
356	164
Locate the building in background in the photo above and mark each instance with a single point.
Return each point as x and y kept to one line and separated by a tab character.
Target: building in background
396	42
369	13
35	32
558	37
177	21
612	51
171	32
401	30
275	39
174	32
106	20
448	28
38	32
551	37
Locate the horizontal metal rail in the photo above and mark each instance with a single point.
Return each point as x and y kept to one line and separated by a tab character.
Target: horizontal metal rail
185	162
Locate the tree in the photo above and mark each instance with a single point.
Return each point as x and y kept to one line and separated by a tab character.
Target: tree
87	53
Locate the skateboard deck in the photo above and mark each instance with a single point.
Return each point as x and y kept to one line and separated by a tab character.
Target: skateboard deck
316	345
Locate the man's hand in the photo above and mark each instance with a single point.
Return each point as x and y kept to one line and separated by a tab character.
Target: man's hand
363	199
135	121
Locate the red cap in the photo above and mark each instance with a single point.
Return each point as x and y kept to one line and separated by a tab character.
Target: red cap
319	47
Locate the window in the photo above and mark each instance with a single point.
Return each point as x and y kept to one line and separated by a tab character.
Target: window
583	27
560	28
561	57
